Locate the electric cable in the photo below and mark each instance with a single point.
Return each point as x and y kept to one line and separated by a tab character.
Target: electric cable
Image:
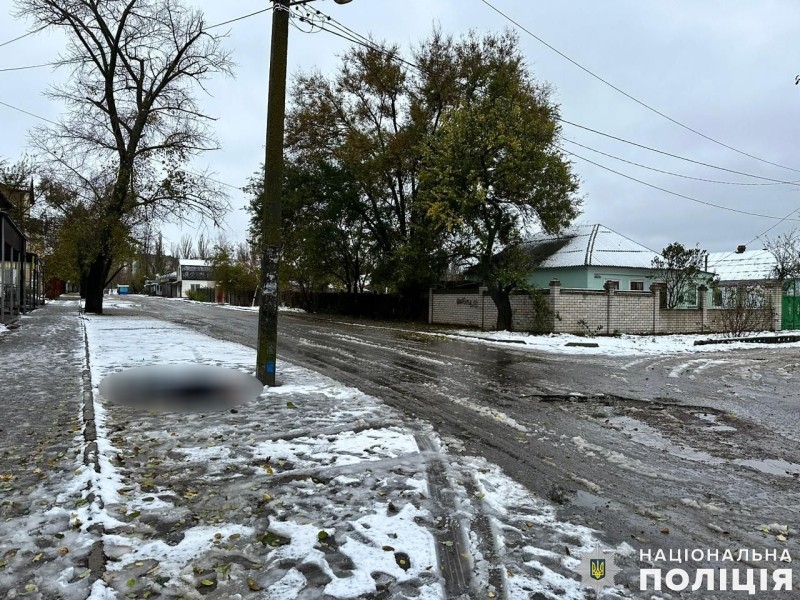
629	96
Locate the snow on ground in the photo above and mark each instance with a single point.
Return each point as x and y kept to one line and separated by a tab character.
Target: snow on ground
312	489
623	345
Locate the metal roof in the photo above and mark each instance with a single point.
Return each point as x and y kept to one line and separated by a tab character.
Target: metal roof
590	245
750	265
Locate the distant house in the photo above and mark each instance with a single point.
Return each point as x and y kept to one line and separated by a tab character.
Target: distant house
194	274
747	266
754	269
588	256
21	285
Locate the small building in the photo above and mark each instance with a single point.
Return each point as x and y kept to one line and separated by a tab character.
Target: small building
754	270
13	261
193	274
588	256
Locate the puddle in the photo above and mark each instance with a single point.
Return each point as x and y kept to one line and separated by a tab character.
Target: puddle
589	500
770	466
648	436
715	425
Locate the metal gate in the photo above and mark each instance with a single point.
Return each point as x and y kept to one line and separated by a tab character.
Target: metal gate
790	314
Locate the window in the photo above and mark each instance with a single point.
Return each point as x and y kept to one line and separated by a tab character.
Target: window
637	286
691	296
612	284
195	286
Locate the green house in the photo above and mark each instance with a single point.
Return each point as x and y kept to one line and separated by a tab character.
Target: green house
588	256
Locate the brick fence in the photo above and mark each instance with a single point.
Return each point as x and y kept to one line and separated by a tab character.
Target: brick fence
592	312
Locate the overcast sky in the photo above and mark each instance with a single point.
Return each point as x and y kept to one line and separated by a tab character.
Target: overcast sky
724	68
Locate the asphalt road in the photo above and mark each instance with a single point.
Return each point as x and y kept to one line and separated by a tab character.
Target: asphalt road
671	452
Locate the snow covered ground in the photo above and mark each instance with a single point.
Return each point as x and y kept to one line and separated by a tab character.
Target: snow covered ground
312	489
623	345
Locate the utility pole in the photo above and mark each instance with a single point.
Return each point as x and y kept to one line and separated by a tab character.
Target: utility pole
273	182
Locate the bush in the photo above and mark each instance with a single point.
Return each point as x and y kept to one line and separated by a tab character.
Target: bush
201	295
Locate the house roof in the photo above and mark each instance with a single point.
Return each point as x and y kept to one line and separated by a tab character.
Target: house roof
194	262
589	245
750	265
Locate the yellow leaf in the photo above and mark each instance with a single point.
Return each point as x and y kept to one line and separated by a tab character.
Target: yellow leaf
38	557
254	587
207	582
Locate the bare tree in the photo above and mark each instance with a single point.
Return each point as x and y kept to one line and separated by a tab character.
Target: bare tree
186	246
746	308
203	248
786	250
131	114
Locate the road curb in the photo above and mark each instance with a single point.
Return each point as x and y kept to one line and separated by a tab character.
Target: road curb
91	459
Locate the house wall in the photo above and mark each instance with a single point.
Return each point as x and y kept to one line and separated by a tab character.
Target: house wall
598	276
187	284
587	312
570	277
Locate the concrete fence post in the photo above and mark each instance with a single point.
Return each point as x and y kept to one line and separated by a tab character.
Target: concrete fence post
482	295
702	305
655	290
609	288
554	299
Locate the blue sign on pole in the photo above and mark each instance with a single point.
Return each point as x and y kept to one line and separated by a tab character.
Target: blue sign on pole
270	368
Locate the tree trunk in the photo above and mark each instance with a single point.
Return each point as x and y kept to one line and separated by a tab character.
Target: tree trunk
502	300
95	284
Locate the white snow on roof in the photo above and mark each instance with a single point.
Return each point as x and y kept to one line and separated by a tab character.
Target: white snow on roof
595	245
194	262
748	265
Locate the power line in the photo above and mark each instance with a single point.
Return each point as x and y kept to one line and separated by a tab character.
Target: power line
252	14
341	30
629	96
27	113
23	36
765	232
630	162
370	45
26	67
679	195
52	64
696	162
359	39
236	187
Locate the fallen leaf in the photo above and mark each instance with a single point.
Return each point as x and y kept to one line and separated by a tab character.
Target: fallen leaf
388	548
322	535
665	531
207	582
38	557
780	538
448	543
290	405
254	587
63	551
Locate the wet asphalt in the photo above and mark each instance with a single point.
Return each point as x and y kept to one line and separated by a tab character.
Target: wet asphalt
670	452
